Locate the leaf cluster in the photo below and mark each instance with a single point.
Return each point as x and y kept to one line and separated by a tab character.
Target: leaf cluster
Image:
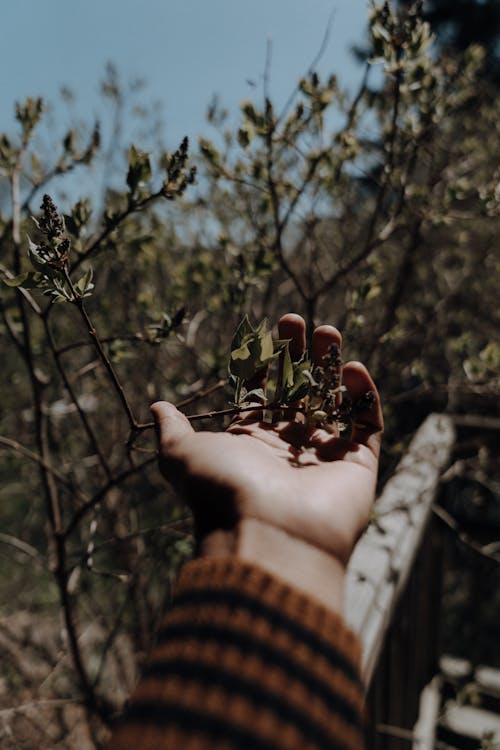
316	390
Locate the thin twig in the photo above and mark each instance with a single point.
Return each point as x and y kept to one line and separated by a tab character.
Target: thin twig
372	242
22	291
279	227
164	530
92	700
24	547
111	226
67	384
102	492
9	324
78	302
312	66
463	537
27	453
201	394
233	411
136	337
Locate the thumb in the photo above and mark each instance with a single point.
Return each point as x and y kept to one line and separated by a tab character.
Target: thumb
171	426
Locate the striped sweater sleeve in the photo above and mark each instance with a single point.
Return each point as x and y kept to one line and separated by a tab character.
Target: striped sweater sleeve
245	661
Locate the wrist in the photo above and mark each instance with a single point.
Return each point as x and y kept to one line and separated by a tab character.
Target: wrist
299	564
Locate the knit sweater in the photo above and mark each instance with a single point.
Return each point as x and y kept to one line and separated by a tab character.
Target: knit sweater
243	661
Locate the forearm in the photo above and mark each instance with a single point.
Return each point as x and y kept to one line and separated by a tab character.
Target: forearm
244	659
303	566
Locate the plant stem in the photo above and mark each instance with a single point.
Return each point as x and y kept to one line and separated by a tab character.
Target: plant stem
83	417
18	448
101	494
91	330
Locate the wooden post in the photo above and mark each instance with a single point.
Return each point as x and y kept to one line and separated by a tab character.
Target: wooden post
393	588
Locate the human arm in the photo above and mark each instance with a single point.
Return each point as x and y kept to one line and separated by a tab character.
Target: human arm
255	650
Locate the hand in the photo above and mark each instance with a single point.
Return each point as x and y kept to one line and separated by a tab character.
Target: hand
316	487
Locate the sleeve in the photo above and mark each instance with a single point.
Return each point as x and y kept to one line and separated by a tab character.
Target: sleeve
245	661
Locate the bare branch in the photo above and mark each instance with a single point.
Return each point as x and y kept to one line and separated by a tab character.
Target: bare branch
101	494
463	537
78	302
67	384
201	394
21	291
24	547
319	54
23	451
132	207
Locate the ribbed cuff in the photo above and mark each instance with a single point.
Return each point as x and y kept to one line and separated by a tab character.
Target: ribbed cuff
241	580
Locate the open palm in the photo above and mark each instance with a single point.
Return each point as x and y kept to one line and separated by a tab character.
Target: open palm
313	485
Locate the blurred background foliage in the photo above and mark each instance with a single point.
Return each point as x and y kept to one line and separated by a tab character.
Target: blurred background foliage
376	210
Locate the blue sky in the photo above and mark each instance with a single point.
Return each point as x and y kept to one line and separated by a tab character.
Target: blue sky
186	50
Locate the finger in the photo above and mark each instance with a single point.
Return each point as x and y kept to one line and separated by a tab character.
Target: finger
324	337
171	426
369	423
293	327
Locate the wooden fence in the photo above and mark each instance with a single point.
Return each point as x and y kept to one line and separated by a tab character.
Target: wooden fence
394	586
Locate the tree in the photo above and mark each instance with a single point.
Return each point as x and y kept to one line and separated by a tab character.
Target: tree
460	24
380	223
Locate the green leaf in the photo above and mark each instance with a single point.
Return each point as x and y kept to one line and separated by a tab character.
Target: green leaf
244	329
139	168
78	218
301	381
245	135
39	263
266	347
16	280
84	285
28	280
256	393
241	364
209	152
287	370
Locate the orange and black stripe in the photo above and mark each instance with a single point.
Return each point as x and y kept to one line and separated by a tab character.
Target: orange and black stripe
244	661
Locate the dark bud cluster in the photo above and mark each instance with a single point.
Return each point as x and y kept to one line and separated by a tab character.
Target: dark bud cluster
330	401
179	176
56	247
327	380
50	223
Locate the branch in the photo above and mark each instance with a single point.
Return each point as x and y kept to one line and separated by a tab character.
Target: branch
78	302
67	384
101	494
372	242
52	497
11	330
201	394
23	292
94	702
233	411
24	547
279	227
165	529
477	421
312	66
107	340
112	225
18	448
463	537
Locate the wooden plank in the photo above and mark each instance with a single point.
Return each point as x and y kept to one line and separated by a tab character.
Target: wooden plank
470	723
382	561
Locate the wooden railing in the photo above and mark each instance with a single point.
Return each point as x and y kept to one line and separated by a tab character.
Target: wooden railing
394	585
